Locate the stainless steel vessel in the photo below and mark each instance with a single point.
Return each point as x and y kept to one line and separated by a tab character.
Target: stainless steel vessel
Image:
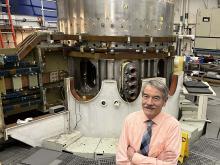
123	40
116	17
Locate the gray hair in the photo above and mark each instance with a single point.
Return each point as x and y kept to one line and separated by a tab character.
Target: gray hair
161	86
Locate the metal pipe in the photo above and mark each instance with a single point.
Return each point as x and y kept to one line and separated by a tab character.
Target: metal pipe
179	45
42	12
110	70
102	70
155	68
179	41
187	15
142	69
181	17
148	69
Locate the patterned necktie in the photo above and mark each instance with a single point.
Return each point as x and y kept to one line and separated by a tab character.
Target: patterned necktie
146	138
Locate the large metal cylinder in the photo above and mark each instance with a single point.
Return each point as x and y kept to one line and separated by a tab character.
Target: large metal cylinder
116	17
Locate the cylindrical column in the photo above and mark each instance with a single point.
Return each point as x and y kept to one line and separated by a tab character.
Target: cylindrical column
118	18
110	69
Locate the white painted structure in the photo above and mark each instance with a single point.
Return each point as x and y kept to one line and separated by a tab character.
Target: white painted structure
101	117
104	114
34	132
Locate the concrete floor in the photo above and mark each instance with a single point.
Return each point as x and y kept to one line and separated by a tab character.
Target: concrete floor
205	151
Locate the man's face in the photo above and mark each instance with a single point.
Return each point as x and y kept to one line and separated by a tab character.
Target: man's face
152	101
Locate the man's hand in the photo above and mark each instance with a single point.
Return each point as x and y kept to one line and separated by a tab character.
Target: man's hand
168	156
130	152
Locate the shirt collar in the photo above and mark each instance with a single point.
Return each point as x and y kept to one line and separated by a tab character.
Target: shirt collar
157	120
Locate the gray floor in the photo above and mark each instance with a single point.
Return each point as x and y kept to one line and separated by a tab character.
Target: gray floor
205	151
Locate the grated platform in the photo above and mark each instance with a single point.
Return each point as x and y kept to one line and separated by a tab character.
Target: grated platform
205	151
209	147
37	155
198	159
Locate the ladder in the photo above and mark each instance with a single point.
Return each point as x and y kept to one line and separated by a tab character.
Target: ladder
11	26
1	40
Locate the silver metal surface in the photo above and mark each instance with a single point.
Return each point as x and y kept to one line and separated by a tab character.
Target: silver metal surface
116	17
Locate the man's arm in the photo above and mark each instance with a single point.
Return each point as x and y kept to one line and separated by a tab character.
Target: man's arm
121	154
170	154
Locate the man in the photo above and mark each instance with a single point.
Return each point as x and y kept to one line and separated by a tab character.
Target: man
150	136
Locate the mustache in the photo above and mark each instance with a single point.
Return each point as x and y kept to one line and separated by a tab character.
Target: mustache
149	106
